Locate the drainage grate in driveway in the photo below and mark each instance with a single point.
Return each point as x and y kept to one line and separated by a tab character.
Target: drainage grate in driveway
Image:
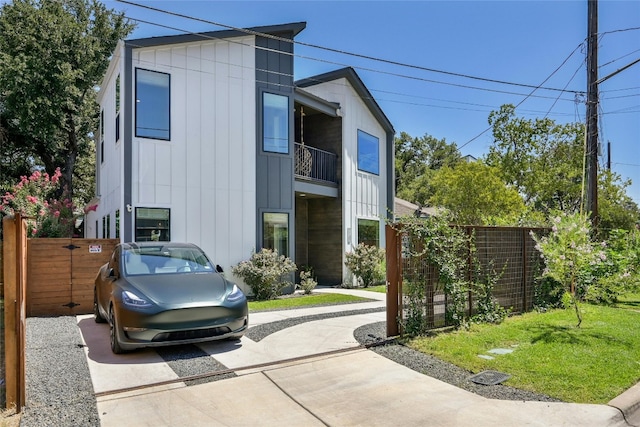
489	378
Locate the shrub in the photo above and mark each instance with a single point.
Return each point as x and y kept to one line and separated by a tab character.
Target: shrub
265	272
569	255
487	307
307	282
364	263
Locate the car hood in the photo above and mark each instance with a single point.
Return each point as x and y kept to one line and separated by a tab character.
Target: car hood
189	289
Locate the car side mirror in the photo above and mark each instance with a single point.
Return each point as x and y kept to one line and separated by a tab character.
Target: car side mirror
112	273
219	268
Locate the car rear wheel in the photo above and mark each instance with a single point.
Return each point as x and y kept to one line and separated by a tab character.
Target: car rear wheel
113	333
96	310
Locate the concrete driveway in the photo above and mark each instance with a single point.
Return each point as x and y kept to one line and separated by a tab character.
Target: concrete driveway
313	373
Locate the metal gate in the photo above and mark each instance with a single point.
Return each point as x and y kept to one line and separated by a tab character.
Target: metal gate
61	273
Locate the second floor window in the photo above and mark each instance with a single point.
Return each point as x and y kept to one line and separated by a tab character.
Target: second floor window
275	128
368	153
153	118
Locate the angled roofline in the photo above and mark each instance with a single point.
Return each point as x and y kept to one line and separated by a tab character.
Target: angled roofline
283	30
350	74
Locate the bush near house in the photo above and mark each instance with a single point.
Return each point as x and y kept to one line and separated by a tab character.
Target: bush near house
365	263
266	272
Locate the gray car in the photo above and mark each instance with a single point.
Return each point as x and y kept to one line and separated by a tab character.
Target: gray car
162	293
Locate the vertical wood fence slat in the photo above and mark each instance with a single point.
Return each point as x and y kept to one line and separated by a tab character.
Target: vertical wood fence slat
14	251
394	274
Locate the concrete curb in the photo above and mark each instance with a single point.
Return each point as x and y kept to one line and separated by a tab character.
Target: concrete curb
629	404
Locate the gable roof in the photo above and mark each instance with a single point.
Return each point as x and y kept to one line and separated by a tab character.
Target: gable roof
281	30
353	78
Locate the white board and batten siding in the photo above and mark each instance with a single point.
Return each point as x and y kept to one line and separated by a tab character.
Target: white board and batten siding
206	173
364	194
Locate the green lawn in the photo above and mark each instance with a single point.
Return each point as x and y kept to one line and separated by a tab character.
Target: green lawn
590	364
303	301
380	288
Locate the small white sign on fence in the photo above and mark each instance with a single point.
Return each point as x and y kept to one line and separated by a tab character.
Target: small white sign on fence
95	249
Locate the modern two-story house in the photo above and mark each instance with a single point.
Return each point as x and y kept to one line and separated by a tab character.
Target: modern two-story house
207	138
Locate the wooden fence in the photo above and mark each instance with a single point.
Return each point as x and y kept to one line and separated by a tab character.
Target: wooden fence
41	277
61	274
507	254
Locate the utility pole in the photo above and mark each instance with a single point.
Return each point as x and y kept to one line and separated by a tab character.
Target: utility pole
592	112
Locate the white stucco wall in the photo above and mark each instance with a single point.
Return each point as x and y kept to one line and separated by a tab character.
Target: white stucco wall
206	173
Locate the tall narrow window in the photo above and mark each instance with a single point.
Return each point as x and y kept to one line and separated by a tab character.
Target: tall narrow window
368	153
275	232
101	136
153	104
104	227
118	108
108	235
275	128
152	224
369	232
118	224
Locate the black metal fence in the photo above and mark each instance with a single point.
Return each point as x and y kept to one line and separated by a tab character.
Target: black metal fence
506	255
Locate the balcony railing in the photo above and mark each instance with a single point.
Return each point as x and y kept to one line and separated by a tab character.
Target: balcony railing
314	164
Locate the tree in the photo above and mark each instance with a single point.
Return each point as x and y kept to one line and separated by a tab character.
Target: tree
539	158
416	160
53	54
473	191
616	209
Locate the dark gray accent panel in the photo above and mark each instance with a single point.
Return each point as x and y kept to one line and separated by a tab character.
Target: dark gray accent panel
274	172
126	230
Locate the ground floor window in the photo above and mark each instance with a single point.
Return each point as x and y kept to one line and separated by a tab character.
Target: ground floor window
118	224
153	224
106	227
275	232
369	232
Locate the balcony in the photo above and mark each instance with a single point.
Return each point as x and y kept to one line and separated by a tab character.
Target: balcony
315	165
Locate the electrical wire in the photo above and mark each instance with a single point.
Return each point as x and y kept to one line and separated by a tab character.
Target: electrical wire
342	52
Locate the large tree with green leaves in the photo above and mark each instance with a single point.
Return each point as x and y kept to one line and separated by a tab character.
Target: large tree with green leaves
473	191
53	54
544	161
416	161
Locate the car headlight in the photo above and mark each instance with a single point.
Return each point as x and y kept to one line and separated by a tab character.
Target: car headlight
133	300
235	295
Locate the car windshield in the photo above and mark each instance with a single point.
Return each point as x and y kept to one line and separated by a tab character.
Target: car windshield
166	259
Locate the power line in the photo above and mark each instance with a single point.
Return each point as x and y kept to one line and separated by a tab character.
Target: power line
343	52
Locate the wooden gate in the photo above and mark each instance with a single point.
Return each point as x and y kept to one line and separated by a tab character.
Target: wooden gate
61	274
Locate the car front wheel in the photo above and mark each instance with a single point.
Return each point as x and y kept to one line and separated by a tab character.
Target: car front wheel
96	310
113	333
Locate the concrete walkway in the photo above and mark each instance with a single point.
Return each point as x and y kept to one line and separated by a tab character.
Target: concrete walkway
346	386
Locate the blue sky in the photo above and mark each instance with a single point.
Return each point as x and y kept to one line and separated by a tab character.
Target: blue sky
524	42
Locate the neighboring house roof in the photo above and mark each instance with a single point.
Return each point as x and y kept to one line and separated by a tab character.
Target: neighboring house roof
353	78
405	208
274	30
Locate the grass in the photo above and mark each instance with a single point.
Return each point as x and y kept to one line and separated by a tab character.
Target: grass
303	301
630	301
590	364
380	288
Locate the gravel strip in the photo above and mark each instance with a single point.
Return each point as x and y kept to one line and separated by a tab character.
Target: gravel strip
59	389
188	360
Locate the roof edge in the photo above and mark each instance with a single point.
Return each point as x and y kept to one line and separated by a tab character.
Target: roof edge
275	30
350	74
